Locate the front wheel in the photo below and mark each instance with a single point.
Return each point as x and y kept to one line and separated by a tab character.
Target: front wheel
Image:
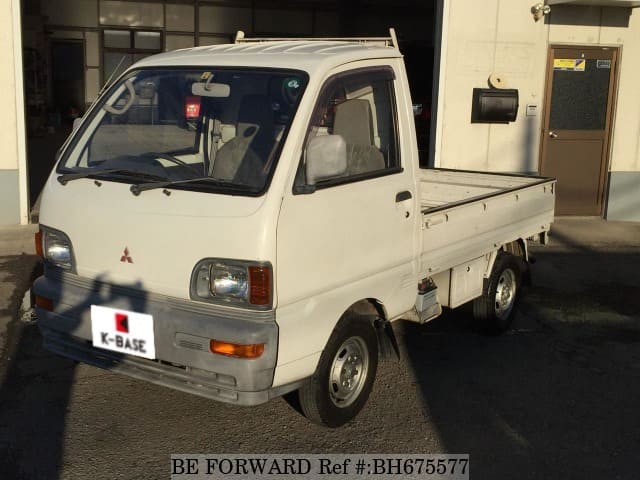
344	377
495	308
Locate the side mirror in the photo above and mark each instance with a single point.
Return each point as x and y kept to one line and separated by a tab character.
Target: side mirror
326	158
76	123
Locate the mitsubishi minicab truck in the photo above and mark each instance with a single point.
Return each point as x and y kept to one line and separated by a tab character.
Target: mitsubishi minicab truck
244	221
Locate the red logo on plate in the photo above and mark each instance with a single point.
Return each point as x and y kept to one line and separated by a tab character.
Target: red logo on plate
126	257
122	323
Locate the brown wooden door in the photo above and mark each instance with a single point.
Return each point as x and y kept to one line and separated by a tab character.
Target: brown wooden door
576	126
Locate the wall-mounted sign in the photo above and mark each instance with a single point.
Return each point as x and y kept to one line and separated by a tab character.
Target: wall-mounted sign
569	64
604	64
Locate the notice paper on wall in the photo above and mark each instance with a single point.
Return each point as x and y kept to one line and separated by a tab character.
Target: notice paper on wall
569	64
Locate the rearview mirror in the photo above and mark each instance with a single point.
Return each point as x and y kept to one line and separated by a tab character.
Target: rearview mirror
204	89
326	158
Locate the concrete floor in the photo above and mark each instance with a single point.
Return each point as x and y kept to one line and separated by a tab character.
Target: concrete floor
555	397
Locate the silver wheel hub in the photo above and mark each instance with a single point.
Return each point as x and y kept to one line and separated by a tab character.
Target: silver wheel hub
348	372
505	293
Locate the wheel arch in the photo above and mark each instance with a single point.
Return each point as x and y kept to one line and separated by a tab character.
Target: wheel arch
301	343
516	247
368	306
375	309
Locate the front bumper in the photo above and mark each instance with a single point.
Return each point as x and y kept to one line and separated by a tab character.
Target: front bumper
182	330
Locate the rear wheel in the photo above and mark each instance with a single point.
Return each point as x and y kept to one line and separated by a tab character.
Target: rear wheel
344	377
495	308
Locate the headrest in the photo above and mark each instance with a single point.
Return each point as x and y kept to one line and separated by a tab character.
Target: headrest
354	122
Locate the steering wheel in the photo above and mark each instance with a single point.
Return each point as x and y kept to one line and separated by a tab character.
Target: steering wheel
132	96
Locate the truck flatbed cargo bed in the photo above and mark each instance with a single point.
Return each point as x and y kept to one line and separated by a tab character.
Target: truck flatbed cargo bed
469	214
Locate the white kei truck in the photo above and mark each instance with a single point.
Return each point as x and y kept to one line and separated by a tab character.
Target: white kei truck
244	221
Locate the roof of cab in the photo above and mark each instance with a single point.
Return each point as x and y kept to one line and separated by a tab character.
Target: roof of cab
301	55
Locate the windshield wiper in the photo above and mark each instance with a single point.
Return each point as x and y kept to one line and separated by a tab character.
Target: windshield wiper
68	177
137	189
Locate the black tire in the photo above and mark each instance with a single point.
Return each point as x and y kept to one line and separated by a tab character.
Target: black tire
494	310
322	400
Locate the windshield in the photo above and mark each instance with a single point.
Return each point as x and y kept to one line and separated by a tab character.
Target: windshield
219	128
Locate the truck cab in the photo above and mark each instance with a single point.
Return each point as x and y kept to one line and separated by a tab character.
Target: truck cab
242	221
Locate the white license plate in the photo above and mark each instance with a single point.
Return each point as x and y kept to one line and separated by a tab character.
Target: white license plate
123	331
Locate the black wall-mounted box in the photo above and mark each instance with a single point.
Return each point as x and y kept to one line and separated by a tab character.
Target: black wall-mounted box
494	106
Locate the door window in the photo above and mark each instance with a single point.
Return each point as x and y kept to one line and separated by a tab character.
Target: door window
580	94
359	107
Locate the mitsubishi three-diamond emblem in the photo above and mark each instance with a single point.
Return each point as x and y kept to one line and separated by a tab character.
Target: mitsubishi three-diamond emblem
126	257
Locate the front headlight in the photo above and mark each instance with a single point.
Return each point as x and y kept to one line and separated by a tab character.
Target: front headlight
232	282
57	249
229	281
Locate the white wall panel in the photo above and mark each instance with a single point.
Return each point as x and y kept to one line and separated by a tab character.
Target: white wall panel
179	18
214	19
510	43
574	24
77	13
92	84
625	153
8	120
92	49
131	14
520	59
469	64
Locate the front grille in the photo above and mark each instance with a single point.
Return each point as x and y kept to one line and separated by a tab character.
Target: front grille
191	345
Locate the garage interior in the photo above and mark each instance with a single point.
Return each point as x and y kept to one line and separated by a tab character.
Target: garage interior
71	48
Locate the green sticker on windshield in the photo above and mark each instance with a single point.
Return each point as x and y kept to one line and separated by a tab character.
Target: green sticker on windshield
291	88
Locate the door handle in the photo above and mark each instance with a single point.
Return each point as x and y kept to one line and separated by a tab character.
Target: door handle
402	196
553	134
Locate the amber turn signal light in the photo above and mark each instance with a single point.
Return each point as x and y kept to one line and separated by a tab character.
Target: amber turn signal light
236	350
44	303
38	239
